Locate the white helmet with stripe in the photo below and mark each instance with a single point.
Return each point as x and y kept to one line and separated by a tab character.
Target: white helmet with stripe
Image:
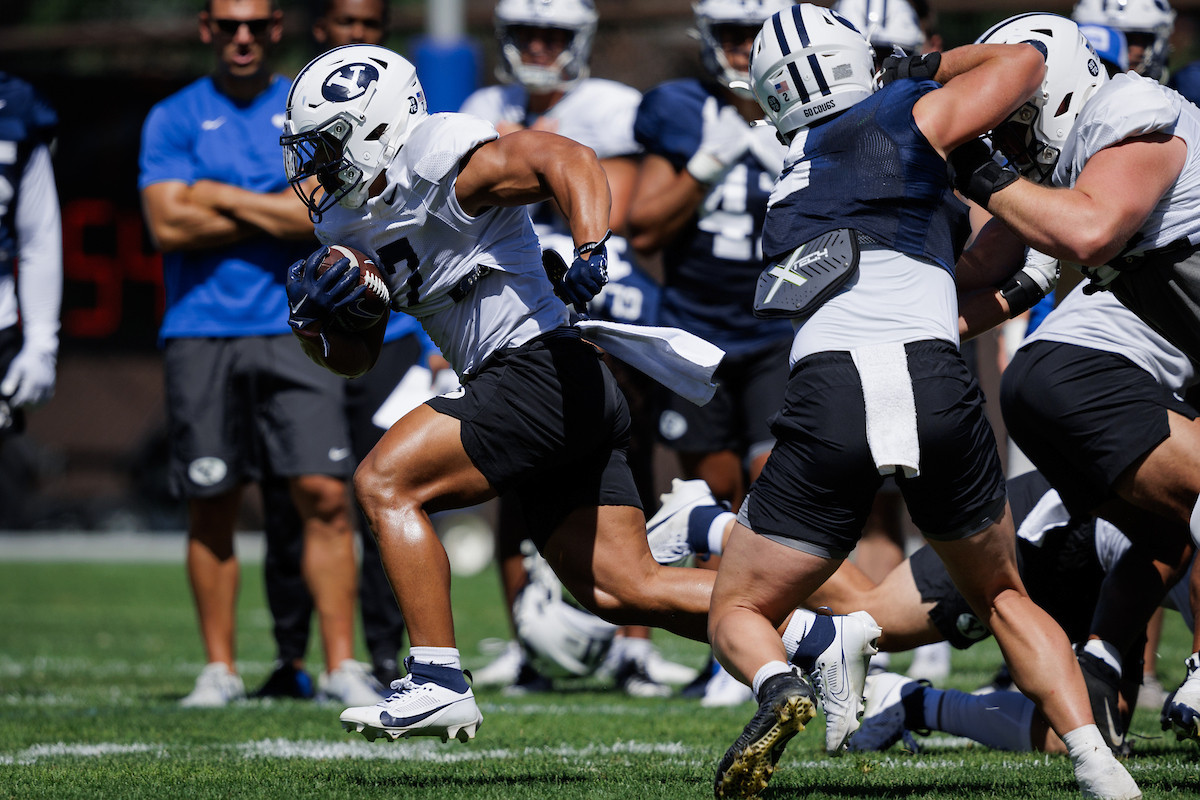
885	23
1155	19
711	15
809	63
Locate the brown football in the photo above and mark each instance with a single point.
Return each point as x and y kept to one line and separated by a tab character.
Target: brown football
373	303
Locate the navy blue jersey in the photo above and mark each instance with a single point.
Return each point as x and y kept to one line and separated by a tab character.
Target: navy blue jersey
712	267
26	121
870	169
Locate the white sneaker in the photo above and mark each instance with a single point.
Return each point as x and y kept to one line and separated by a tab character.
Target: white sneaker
351	684
1181	712
634	681
840	673
1101	776
667	530
883	718
724	690
503	669
419	707
669	672
215	687
1152	694
931	662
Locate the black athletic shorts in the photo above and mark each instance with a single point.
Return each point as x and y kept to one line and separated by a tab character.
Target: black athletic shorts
241	408
547	420
750	388
820	481
1083	416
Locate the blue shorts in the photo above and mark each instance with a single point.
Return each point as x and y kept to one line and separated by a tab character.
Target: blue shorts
817	488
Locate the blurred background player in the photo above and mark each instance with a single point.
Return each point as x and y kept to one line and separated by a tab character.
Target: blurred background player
31	272
545	46
699	205
340	22
243	402
1146	24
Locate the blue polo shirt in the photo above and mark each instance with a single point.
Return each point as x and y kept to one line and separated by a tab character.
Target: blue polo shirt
199	133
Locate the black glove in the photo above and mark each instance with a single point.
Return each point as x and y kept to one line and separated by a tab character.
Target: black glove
898	66
973	172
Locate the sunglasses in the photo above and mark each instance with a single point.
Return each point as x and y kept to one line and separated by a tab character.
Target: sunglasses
230	27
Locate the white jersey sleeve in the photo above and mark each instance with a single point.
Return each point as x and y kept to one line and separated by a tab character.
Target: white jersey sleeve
1129	105
475	283
599	113
1100	322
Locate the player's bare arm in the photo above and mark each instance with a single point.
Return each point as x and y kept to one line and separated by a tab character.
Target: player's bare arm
664	202
983	85
177	222
1092	222
531	166
278	214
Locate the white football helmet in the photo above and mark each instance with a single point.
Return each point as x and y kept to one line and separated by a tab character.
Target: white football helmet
559	639
808	63
1154	18
1032	138
349	112
577	17
885	23
745	13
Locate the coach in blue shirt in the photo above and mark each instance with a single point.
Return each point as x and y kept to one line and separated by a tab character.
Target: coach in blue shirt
242	400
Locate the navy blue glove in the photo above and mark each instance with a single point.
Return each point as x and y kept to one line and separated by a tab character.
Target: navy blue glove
314	299
586	277
898	66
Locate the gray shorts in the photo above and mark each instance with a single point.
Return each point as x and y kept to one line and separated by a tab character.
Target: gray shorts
240	409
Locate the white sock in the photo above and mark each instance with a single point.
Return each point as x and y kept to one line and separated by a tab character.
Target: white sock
716	533
1105	652
1000	720
798	626
438	656
768	670
633	647
1098	772
1084	741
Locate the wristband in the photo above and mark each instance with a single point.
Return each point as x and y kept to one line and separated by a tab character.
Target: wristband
1021	292
588	248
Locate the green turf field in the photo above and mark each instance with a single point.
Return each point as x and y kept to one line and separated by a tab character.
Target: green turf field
94	657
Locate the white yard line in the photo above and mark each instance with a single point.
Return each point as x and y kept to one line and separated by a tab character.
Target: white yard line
165	547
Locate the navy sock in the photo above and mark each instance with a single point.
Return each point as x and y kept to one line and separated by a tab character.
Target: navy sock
819	637
700	520
449	677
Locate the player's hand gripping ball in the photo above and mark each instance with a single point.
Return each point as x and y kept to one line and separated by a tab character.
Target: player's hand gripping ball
339	287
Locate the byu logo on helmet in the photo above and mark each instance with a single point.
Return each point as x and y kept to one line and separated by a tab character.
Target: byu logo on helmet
348	82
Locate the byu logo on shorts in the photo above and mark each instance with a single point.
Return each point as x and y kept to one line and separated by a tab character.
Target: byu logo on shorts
207	471
970	627
348	82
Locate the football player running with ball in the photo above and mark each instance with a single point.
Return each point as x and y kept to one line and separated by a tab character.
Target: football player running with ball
438	202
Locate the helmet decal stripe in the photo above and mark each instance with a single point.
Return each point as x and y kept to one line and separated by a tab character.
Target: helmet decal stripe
800	29
795	73
784	47
817	73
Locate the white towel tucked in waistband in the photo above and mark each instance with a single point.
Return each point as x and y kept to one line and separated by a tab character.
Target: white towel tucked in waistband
891	410
1048	514
680	361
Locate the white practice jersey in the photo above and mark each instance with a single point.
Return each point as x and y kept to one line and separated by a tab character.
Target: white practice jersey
594	112
1100	322
429	249
1130	105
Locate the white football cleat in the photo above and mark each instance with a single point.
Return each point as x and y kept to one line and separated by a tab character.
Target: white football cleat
723	690
667	530
215	687
840	673
1102	777
351	684
420	707
503	669
1181	712
884	715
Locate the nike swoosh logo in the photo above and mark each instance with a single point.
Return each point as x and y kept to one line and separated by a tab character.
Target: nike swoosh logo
400	722
299	303
338	453
3	103
212	124
1116	737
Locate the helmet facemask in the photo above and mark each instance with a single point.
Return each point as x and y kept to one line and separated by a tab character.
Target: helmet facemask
320	153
